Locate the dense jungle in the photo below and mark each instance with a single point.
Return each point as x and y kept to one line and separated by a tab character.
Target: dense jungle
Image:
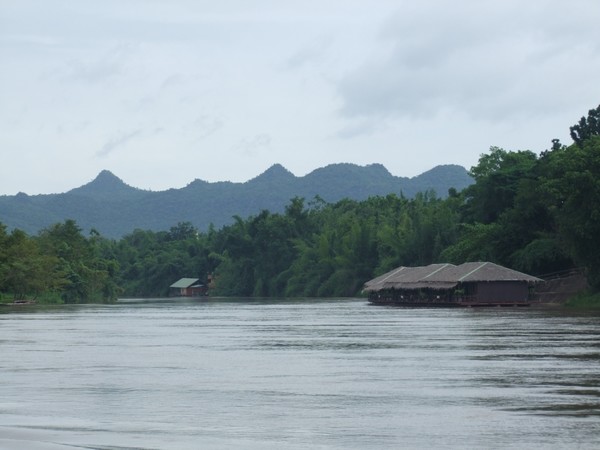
534	213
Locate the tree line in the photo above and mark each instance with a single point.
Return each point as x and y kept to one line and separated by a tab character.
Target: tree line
534	213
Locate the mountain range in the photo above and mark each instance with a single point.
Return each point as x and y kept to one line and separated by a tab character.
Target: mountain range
115	209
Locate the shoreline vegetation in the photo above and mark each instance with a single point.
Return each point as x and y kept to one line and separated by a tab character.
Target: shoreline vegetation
584	300
537	214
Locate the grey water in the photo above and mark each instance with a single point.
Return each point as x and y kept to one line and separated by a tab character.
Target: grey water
336	374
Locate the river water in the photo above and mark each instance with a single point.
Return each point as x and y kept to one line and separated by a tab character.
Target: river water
339	374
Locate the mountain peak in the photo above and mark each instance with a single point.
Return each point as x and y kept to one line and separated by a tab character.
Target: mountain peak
114	208
275	173
105	185
378	169
107	177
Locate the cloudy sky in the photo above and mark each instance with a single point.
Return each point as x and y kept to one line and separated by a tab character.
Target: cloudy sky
162	92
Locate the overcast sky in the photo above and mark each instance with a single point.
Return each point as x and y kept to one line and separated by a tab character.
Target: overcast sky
165	92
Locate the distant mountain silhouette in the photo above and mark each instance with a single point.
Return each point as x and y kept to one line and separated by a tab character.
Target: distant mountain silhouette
114	208
106	186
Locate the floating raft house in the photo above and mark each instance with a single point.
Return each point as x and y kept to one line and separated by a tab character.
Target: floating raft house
469	284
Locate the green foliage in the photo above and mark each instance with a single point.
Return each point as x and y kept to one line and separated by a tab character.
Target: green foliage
584	300
573	196
59	265
27	271
542	255
354	241
116	209
534	214
506	217
498	177
538	215
83	274
587	127
255	254
478	243
149	262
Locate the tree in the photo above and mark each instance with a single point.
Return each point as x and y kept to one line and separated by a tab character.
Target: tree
88	276
478	243
497	179
183	231
572	188
587	127
3	256
29	272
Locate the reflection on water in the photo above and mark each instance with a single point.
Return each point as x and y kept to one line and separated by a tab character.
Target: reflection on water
187	374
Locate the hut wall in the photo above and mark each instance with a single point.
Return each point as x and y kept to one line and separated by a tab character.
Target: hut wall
502	291
175	292
196	291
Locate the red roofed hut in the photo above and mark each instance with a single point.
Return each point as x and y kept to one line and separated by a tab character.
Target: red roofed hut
469	284
187	287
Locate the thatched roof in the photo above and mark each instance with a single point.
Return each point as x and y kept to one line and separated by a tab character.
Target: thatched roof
445	276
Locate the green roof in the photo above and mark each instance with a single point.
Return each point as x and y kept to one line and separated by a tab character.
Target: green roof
185	283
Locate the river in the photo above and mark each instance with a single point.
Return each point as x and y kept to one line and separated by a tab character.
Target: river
336	374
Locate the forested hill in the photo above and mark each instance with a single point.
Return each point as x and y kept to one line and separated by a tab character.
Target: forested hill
114	208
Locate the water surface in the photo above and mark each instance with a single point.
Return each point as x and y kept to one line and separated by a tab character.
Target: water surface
189	374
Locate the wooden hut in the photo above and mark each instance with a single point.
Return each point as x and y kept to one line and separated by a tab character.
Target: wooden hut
187	287
469	284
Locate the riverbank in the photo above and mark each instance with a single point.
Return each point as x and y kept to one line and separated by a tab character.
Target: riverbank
584	300
46	298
